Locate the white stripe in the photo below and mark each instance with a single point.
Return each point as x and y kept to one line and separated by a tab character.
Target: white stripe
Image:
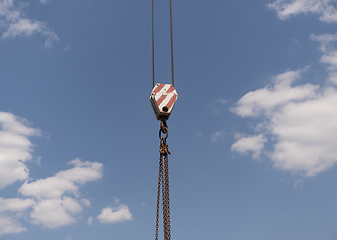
162	91
166	100
174	93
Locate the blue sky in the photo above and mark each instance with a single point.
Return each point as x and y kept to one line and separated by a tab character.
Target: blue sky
253	134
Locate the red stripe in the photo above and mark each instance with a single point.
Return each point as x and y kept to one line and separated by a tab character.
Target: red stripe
159	101
171	89
158	88
171	102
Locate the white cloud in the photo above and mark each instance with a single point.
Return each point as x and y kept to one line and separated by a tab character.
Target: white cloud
115	215
17	25
251	143
15	148
329	54
55	212
24	27
333	77
303	125
266	100
54	207
63	181
217	135
9	225
10	210
330	59
50	187
325	40
15	204
82	172
324	8
54	201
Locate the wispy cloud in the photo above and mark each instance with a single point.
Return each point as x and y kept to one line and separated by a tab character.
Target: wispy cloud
329	53
221	100
294	46
16	25
67	237
116	200
67	48
89	221
215	137
38	161
286	8
298	183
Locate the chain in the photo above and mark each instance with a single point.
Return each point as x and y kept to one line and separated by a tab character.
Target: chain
163	183
166	202
158	192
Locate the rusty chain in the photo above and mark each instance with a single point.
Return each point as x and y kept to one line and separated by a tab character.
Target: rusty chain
158	193
163	183
166	201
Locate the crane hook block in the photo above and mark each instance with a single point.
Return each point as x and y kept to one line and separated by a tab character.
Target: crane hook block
163	98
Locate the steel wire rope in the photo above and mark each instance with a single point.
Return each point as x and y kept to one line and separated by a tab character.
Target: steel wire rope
171	30
153	44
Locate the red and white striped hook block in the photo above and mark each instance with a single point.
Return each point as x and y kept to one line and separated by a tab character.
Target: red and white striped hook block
163	98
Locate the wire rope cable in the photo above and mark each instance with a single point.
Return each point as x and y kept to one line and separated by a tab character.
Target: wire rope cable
172	67
153	45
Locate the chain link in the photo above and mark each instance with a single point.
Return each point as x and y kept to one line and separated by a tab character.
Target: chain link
163	183
158	192
166	201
